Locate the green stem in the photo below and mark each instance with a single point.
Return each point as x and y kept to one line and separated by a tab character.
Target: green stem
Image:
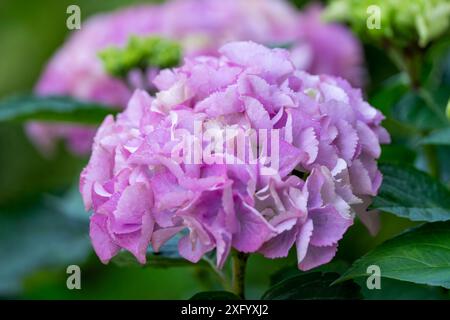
432	160
239	266
224	280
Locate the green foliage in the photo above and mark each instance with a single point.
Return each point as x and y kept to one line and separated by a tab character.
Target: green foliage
312	286
401	290
336	266
141	53
53	108
39	236
410	193
420	255
438	137
402	22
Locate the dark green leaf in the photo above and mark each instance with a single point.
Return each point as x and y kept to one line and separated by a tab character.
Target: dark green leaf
312	286
35	238
167	256
410	193
440	137
422	110
53	108
401	290
389	93
215	295
392	152
443	154
337	266
420	255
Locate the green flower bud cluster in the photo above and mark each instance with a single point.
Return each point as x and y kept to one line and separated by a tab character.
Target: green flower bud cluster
141	53
402	22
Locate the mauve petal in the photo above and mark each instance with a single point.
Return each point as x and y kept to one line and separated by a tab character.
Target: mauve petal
269	95
303	238
371	218
279	246
329	226
221	103
137	242
253	231
161	236
223	247
135	201
103	245
307	141
313	186
368	139
258	116
99	168
205	79
272	63
347	140
193	251
289	157
136	106
317	256
360	179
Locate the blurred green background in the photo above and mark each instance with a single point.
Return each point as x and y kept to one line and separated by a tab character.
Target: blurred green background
37	243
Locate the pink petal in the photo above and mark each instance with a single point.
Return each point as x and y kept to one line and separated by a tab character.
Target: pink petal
329	226
103	245
317	256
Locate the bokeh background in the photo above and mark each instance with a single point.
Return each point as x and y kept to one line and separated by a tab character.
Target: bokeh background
40	234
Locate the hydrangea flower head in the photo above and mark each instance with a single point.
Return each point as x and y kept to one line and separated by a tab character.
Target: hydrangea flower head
145	182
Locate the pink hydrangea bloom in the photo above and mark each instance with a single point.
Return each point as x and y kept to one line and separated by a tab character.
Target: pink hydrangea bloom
328	48
327	140
76	70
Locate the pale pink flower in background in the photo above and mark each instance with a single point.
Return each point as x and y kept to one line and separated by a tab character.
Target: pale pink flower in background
201	26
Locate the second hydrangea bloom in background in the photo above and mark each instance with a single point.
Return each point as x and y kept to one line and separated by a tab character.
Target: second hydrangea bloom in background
77	71
327	137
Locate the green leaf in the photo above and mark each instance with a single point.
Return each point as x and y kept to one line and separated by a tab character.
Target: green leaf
420	255
390	153
440	137
390	92
53	108
401	290
312	286
38	237
167	256
336	266
410	193
215	295
421	110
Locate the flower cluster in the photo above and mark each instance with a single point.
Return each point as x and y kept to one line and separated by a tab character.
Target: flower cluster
327	140
403	23
76	70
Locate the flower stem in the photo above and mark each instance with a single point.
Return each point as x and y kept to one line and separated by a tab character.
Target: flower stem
239	266
432	160
224	280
